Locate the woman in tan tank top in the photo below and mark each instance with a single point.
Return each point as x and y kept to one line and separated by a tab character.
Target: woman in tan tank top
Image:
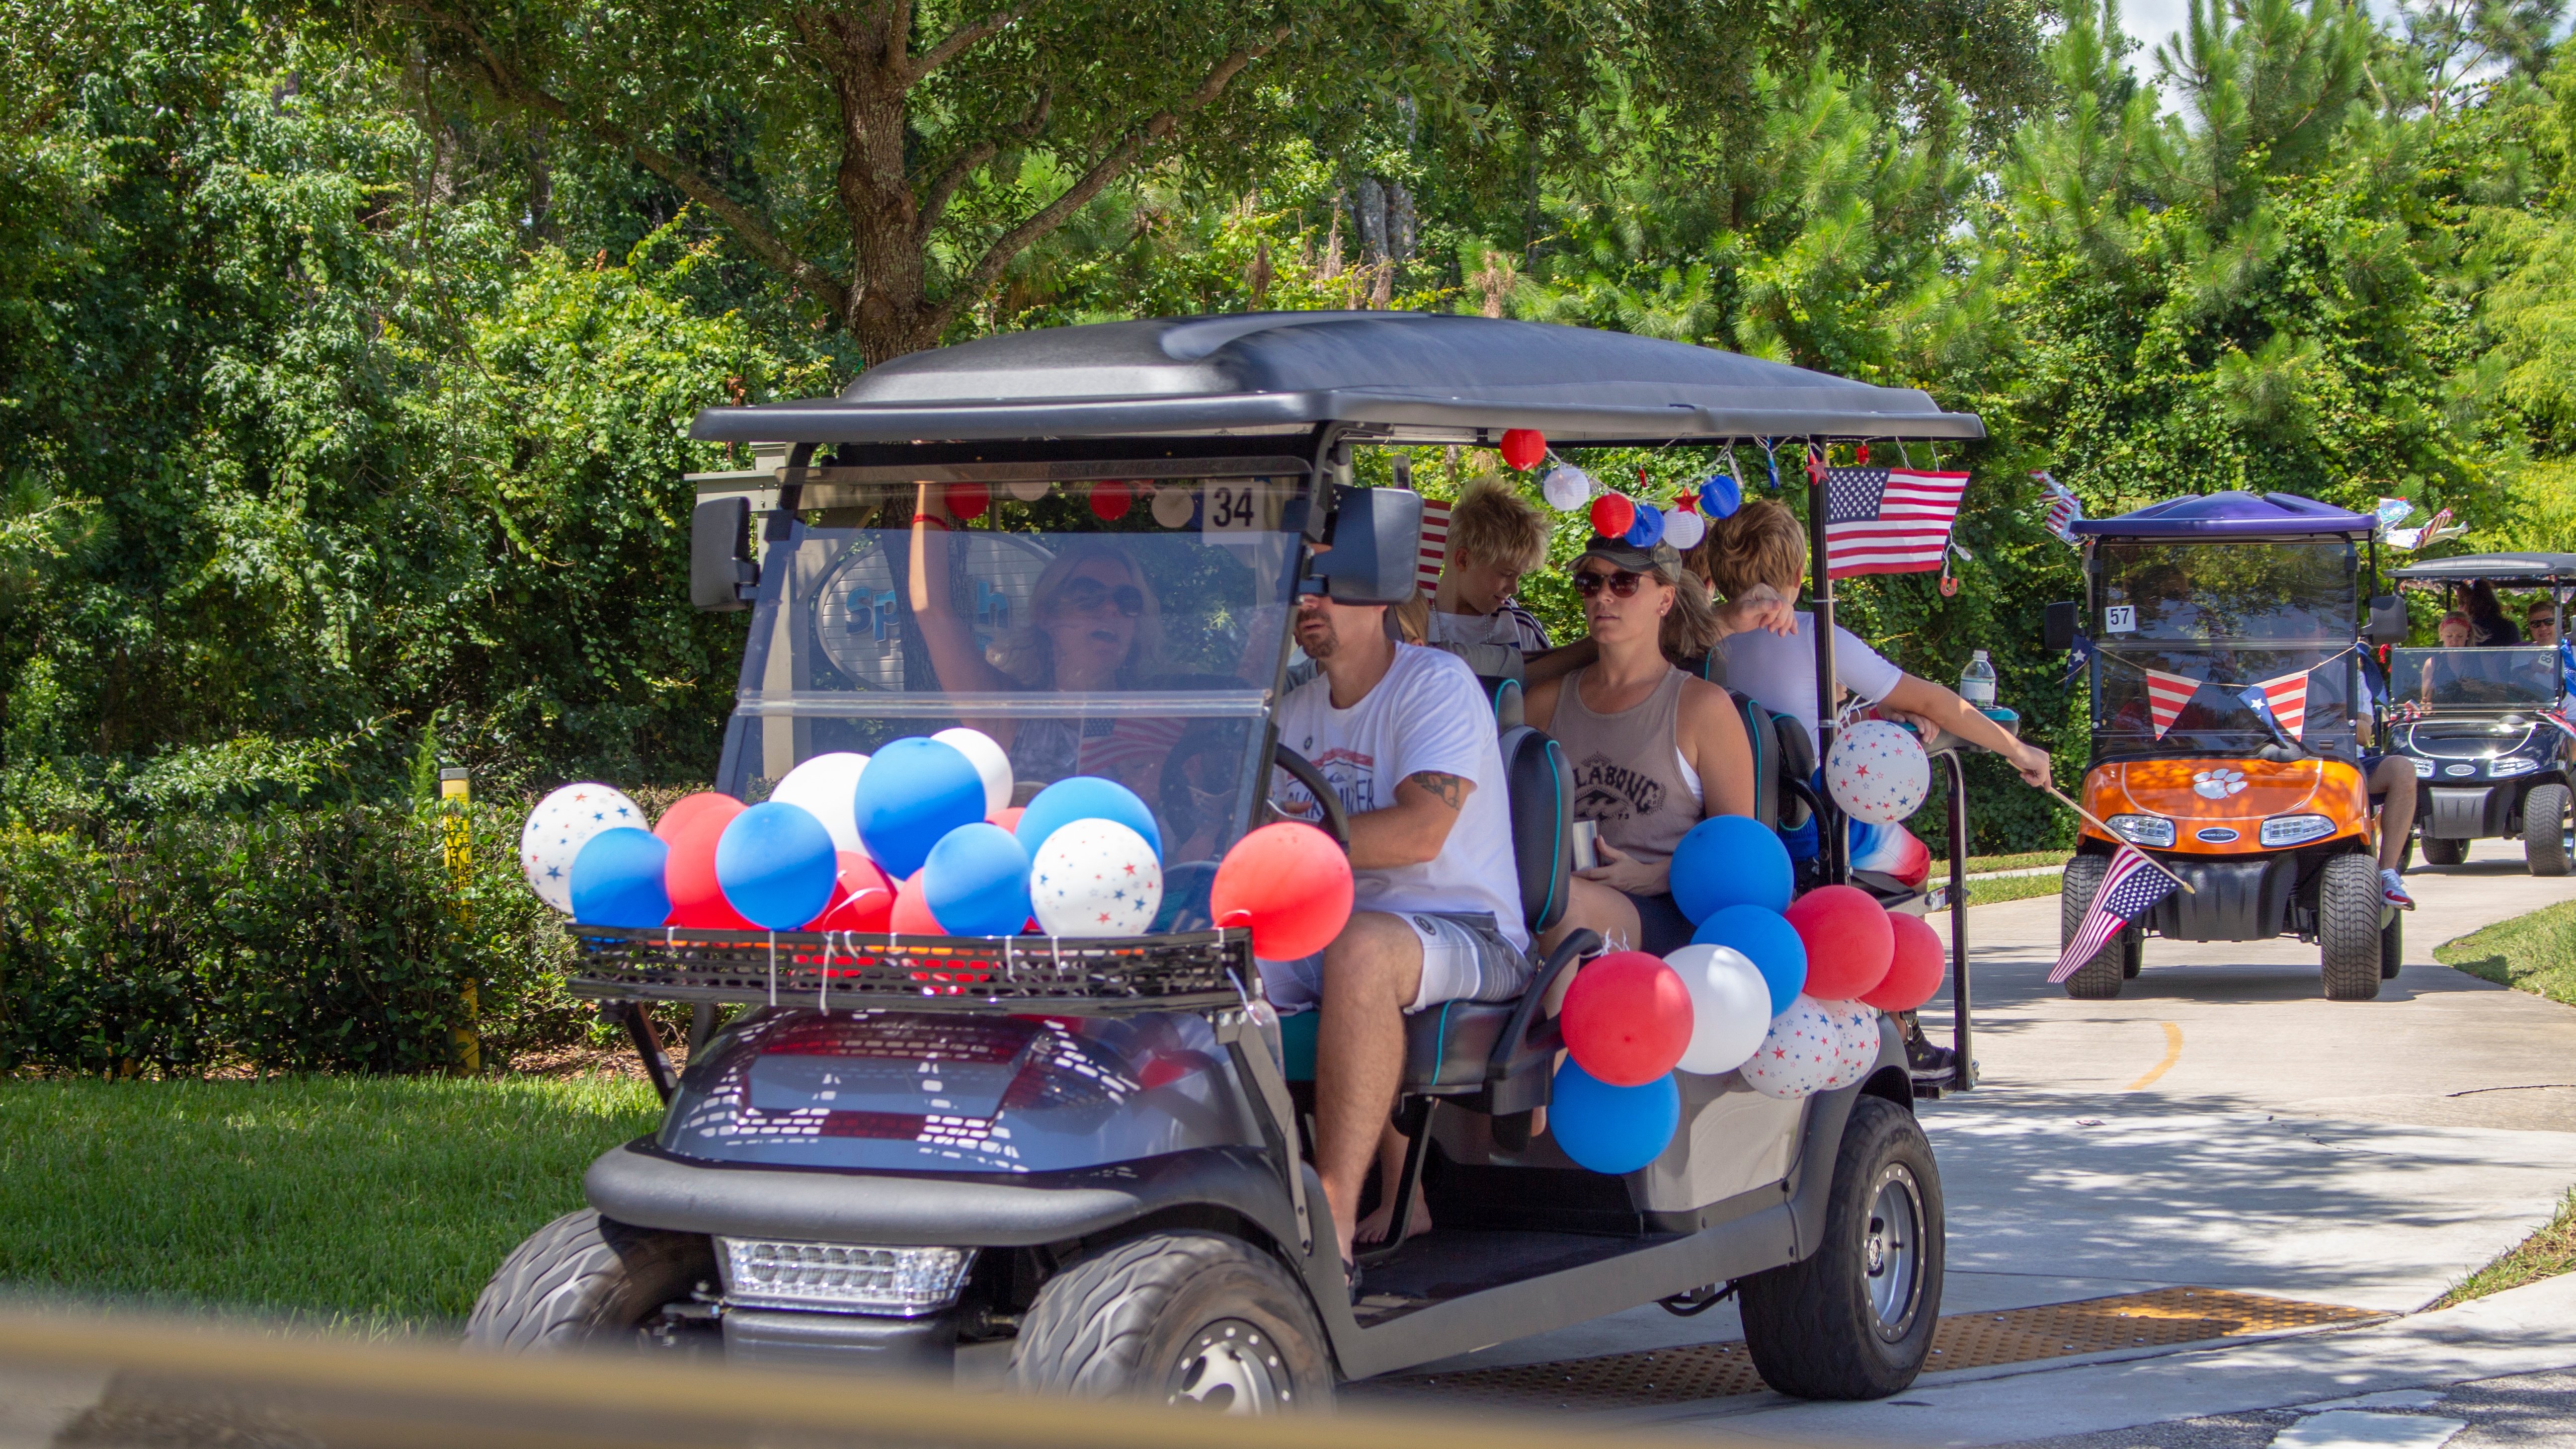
1653	751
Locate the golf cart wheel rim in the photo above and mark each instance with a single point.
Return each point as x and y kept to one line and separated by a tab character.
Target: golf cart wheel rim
1232	1367
1892	1251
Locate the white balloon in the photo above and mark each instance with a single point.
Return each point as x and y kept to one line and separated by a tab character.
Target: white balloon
1172	506
989	760
1027	490
1566	487
1797	1053
560	826
1730	1007
826	787
1684	530
1878	772
1855	1041
1095	878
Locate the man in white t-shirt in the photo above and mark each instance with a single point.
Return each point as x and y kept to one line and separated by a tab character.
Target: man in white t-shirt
1405	738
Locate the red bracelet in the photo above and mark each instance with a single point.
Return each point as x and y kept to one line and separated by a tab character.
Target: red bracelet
931	518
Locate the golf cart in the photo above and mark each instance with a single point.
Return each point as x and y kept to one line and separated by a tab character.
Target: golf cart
1085	1155
2475	723
2223	635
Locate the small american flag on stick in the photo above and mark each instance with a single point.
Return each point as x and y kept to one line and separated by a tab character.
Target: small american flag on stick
1888	520
2129	889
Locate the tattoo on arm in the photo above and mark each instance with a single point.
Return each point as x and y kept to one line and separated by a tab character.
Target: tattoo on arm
1449	790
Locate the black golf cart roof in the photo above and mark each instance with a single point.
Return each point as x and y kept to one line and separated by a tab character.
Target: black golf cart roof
1398	376
2493	567
2216	516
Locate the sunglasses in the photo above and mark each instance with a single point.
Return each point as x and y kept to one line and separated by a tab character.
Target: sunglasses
1086	596
1622	584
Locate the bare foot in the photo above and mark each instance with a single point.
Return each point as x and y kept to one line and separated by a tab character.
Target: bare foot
1372	1229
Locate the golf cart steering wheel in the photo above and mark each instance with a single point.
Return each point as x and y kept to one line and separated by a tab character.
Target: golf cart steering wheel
1304	773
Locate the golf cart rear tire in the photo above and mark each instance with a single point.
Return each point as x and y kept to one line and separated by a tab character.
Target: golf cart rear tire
2348	931
585	1281
2444	852
2392	946
1131	1320
2098	979
2133	953
1812	1327
2544	829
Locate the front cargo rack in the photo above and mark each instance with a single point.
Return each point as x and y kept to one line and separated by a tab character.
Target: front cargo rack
853	971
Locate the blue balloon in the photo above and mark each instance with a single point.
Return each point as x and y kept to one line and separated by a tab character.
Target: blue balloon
1613	1130
1768	941
977	881
1648	530
617	879
1730	860
1719	496
774	862
910	796
1086	797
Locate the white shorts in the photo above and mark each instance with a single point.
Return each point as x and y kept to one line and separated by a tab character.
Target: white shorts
1464	958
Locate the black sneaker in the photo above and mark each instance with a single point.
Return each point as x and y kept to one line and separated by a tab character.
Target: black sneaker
1928	1062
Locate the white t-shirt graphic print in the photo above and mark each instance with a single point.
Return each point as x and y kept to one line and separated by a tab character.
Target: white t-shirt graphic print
1426	714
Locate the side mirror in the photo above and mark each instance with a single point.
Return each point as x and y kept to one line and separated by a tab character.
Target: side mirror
1376	538
2388	623
2061	625
721	572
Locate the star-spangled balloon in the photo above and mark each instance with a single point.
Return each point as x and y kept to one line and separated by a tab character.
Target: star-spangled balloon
1878	772
1855	1041
1798	1056
1095	878
560	826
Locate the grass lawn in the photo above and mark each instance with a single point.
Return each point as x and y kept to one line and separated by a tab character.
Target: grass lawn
2013	887
379	1204
2545	1254
2027	860
2534	953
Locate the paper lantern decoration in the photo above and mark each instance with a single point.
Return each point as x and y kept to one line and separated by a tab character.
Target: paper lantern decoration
1085	797
977	881
560	826
1627	1018
1877	771
1611	515
1613	1130
1095	878
1027	490
776	865
862	896
1729	860
1110	500
1730	1007
1290	884
1850	945
968	501
912	793
1684	529
989	760
1566	487
912	915
1798	1053
1647	528
1915	968
1720	495
827	788
1523	447
1174	507
697	898
1766	939
616	880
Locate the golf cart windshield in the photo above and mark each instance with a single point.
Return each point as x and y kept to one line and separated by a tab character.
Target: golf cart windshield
2475	679
1095	626
2189	633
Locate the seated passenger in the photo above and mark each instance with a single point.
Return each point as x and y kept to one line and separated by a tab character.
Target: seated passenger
2439	681
1495	536
1407	741
2540	628
2487	623
1653	750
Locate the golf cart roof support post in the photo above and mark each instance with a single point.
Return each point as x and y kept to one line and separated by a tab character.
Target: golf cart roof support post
1829	835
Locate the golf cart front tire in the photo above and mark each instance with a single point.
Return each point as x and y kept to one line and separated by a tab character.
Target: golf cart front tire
2349	941
2438	851
1838	1325
2544	829
2099	978
1187	1319
585	1281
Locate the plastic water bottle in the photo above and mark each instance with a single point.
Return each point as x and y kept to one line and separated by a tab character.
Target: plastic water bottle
1977	681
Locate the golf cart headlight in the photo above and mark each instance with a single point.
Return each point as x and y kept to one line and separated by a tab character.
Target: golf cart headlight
766	1273
2143	829
2511	766
2296	829
2423	769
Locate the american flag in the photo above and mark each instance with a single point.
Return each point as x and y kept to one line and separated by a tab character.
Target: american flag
2130	888
2166	695
1435	545
1888	520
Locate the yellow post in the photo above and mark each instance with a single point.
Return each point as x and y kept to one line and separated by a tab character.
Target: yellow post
455	794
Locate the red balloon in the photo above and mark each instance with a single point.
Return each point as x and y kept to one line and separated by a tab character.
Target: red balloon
1611	517
1849	942
862	898
1008	819
1627	1019
691	828
1915	973
969	500
1111	499
1290	883
912	915
1523	447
